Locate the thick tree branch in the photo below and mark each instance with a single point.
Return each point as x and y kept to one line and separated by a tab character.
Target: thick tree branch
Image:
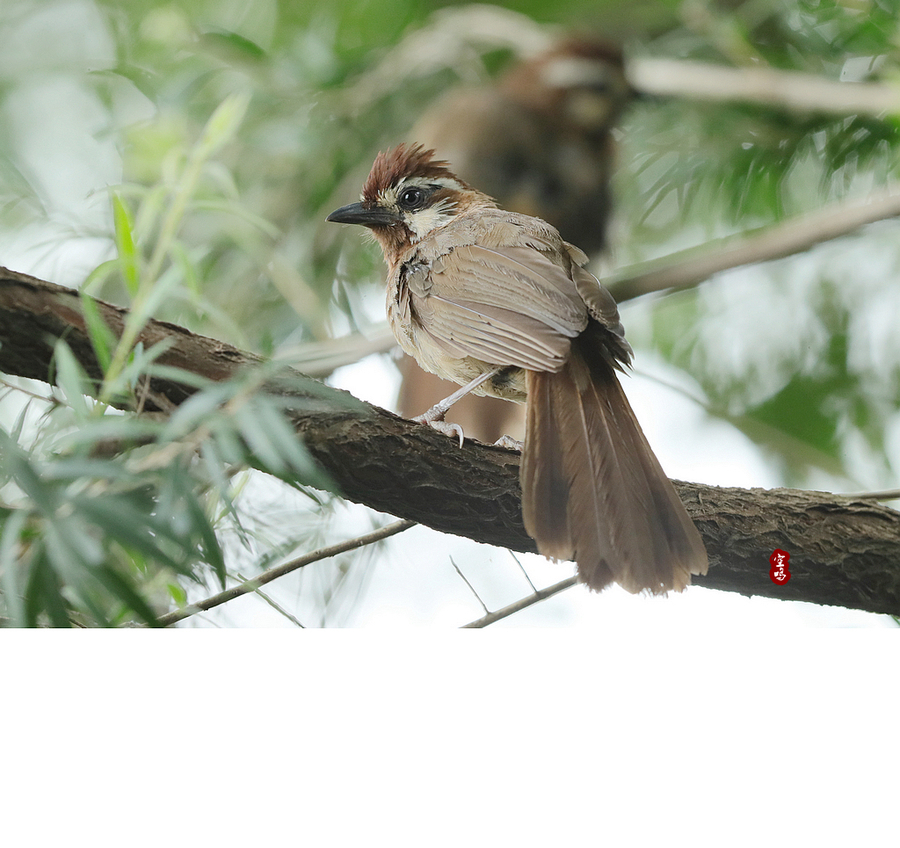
844	551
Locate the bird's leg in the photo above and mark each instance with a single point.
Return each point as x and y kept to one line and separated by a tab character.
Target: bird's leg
434	417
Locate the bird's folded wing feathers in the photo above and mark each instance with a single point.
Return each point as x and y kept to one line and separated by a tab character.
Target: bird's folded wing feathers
503	305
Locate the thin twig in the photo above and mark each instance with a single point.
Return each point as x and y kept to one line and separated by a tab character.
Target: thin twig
483	604
522	568
540	595
888	495
687	268
275	605
280	570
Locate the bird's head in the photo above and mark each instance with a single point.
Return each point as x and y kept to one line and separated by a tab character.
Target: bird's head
577	84
408	195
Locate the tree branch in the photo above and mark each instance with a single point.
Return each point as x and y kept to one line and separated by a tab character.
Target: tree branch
689	267
270	574
844	551
792	91
535	597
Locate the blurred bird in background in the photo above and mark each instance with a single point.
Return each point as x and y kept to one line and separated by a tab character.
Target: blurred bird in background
539	142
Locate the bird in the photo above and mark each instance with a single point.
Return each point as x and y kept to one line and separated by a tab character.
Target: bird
499	303
539	141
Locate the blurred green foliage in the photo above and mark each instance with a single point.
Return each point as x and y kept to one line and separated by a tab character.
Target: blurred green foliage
224	131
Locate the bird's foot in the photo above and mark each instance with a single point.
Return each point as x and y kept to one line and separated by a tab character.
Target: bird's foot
509	443
434	418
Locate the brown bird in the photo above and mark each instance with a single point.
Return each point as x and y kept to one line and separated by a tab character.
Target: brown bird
539	141
497	302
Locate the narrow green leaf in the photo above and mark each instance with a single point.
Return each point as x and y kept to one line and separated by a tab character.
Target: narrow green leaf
290	447
120	588
47	594
194	411
202	527
177	593
132	528
223	123
230	446
155	297
112	427
11	563
139	362
26	477
16	433
72	380
102	338
215	468
125	246
70	469
257	436
102	272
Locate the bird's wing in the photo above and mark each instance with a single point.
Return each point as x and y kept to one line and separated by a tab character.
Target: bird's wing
505	305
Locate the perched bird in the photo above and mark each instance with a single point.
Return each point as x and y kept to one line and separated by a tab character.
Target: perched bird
497	302
539	141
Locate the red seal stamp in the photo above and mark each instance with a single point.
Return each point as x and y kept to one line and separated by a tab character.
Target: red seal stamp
779	571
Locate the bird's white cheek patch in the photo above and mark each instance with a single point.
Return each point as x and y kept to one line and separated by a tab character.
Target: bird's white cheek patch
426	221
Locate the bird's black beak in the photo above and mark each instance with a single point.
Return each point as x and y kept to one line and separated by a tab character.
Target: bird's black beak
368	216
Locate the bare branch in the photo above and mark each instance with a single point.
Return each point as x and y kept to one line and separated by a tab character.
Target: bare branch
471	587
790	90
689	267
518	606
275	605
888	495
277	571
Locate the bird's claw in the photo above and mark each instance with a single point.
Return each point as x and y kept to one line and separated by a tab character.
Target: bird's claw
442	426
509	443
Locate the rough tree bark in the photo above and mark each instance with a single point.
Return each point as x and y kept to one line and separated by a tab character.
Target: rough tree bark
843	551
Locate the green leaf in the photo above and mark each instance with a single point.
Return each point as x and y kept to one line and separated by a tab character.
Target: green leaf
223	123
11	563
134	528
177	593
202	527
195	411
47	590
72	380
120	588
262	442
214	465
111	427
103	340
228	442
128	254
25	476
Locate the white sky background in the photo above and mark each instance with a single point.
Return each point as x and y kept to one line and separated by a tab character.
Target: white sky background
57	125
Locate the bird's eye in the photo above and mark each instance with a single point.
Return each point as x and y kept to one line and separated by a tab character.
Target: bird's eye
411	198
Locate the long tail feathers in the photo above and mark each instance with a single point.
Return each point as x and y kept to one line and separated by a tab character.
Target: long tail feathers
592	489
